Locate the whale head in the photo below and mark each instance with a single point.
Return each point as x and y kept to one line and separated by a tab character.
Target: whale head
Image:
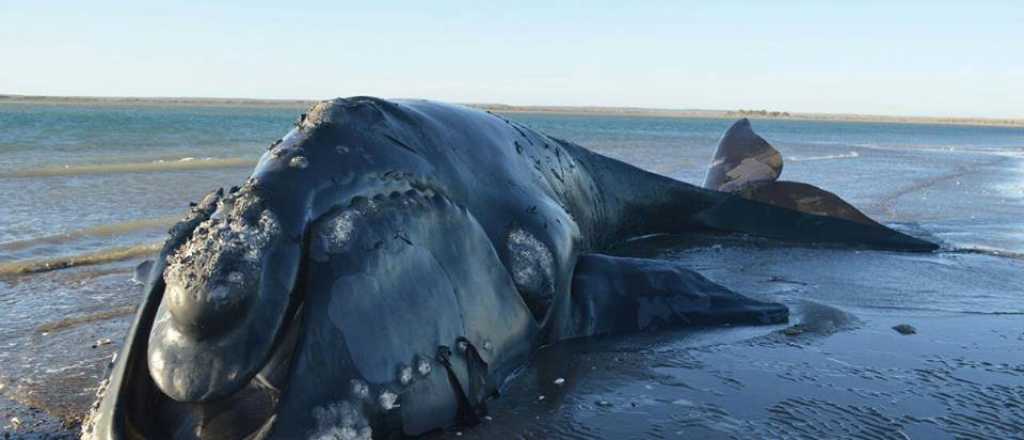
233	288
317	295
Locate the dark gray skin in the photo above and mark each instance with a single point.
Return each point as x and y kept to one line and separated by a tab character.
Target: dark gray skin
389	265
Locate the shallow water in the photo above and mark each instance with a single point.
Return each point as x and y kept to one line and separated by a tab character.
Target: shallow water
85	181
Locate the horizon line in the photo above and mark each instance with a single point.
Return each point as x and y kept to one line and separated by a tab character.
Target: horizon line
543	108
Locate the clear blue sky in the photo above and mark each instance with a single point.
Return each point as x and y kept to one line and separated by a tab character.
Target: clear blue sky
913	58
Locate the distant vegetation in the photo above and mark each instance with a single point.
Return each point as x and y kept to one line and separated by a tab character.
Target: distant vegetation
762	113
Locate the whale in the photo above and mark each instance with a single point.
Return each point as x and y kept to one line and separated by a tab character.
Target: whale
390	264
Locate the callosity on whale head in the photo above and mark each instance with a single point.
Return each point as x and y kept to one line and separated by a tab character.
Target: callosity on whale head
319	300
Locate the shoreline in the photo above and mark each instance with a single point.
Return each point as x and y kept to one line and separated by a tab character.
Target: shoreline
535	109
715	362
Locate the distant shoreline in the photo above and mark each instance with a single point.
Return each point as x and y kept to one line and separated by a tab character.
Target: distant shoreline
503	108
161	101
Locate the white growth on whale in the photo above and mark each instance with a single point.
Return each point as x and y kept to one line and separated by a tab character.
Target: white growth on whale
388	400
156	360
531	263
299	162
423	366
360	390
340	421
336	233
405	375
219	265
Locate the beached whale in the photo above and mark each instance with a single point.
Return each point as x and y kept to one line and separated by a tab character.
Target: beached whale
389	264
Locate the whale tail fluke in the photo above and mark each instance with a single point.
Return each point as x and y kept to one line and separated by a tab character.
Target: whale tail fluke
743	159
748	167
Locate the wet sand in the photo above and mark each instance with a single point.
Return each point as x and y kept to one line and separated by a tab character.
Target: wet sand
834	371
866	381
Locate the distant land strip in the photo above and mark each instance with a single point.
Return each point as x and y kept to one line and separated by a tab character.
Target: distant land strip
156	101
504	108
751	114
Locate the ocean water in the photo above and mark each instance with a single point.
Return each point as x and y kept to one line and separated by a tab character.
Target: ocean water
99	185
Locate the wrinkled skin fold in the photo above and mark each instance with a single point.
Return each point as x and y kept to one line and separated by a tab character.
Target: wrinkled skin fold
390	264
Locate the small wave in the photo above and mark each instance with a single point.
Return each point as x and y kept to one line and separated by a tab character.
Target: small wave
992	252
1009	151
946	310
73	321
184	164
101	257
95	231
849	155
888	202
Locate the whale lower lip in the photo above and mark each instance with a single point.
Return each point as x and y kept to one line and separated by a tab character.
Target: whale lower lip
249	410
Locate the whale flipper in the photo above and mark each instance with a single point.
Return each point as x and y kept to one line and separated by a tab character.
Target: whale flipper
142	270
612	295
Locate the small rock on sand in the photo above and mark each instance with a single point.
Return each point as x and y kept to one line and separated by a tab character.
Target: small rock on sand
795	330
905	329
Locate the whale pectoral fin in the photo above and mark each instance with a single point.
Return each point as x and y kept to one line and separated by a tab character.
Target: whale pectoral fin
612	295
142	271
